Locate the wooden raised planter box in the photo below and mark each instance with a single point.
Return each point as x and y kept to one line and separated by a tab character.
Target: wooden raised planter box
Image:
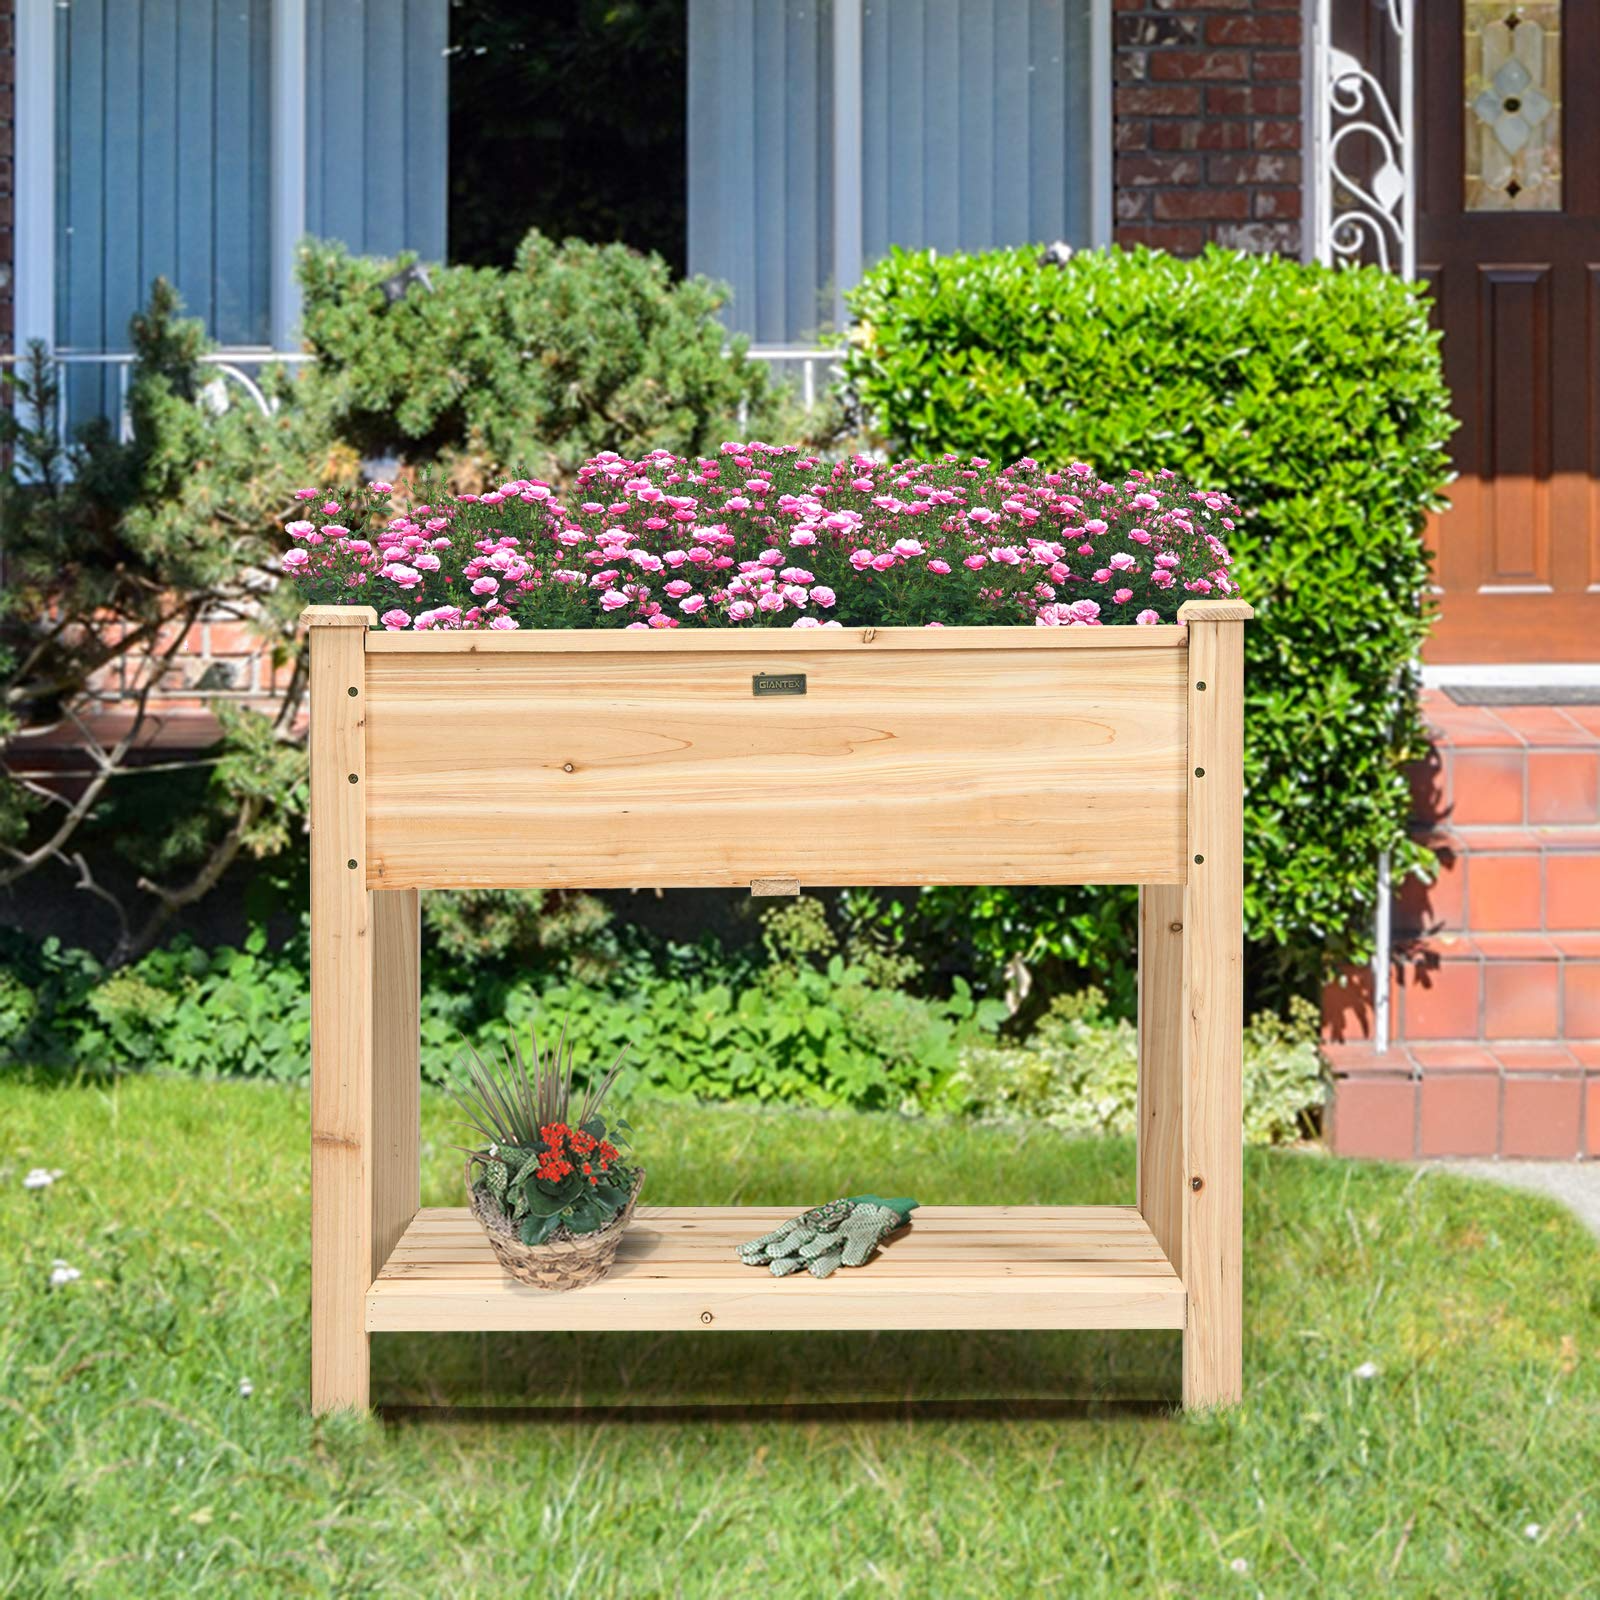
608	759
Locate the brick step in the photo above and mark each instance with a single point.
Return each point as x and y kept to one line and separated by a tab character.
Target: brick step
1510	766
1505	880
1481	987
1538	1101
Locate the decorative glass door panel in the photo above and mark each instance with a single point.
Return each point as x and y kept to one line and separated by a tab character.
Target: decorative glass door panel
1512	62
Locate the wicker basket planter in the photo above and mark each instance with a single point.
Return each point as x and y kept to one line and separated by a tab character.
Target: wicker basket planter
566	1260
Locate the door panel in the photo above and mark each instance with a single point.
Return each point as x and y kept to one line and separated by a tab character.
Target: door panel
1517	293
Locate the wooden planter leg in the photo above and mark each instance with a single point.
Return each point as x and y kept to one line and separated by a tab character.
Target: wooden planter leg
1212	1187
364	1031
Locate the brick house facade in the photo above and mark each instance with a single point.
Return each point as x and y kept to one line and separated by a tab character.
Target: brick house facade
1208	124
1494	1023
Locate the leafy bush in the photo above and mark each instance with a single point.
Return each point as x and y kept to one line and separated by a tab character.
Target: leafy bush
1080	1072
822	1036
1317	397
810	1028
114	549
577	348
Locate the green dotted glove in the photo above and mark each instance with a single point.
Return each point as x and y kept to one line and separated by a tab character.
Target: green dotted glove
844	1232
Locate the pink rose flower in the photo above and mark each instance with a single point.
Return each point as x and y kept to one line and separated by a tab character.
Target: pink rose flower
394	619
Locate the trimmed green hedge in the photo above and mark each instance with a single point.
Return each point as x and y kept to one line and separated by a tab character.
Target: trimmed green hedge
1316	398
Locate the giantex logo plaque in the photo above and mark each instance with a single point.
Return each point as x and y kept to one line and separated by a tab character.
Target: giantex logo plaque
765	683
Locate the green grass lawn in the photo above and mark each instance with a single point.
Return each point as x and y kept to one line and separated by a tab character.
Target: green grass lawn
130	1462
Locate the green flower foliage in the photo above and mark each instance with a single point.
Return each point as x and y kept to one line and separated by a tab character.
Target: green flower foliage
1316	399
577	348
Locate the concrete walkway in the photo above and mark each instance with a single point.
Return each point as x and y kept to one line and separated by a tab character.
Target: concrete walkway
1576	1184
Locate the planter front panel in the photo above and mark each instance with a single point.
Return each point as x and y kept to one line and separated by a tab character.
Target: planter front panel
908	761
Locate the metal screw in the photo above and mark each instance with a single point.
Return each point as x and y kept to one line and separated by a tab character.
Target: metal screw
1199	686
1198	860
1199	772
705	1316
1197	1184
354	778
354	693
351	863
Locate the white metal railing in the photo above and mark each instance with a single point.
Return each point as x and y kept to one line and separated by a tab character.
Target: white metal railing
811	361
803	364
239	366
1363	147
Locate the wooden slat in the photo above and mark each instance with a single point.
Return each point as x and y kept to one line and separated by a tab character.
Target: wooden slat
955	1267
396	1067
913	766
1162	1169
343	1244
1213	1021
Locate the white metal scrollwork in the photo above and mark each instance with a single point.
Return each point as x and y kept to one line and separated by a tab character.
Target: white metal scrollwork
1364	149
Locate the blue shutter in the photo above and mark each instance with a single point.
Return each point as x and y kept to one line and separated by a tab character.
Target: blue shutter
760	160
976	132
164	158
163	170
376	127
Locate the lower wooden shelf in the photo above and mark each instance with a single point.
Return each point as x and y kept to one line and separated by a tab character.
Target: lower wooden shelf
955	1267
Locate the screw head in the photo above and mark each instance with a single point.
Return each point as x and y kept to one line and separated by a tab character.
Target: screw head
1198	860
1199	772
353	693
351	863
1197	1184
1200	686
354	778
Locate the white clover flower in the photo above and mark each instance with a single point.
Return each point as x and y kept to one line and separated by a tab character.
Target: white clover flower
41	1178
246	1388
1239	1565
61	1274
1366	1371
1533	1530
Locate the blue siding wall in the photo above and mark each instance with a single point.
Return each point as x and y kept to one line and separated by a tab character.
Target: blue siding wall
162	134
376	124
975	132
164	156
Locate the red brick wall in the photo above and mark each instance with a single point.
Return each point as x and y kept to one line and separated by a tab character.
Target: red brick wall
1208	124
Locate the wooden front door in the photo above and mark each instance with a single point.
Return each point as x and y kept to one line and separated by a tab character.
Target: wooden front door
1509	237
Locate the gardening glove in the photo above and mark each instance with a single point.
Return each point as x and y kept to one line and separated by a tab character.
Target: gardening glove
783	1244
844	1232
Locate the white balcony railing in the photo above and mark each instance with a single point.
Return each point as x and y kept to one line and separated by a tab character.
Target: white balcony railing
809	368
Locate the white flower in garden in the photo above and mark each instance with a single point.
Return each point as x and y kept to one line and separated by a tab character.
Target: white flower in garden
41	1178
1239	1565
1533	1530
1366	1371
61	1275
246	1388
